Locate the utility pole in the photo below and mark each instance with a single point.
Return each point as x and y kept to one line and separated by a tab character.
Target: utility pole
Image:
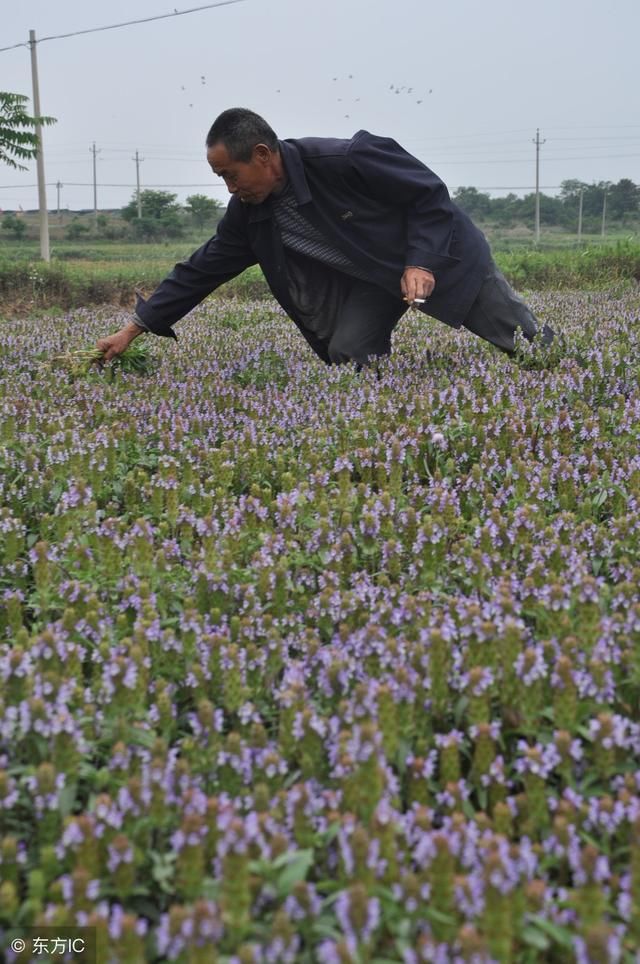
59	187
95	186
604	210
42	191
138	161
538	143
580	217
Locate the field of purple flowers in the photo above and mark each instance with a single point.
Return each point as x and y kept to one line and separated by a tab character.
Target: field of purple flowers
305	665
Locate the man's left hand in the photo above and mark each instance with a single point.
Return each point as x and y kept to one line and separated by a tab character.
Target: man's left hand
115	345
417	283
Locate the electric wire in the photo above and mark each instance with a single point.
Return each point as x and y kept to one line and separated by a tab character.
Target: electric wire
127	23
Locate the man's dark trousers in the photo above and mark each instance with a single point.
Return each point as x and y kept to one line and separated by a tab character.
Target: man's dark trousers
363	328
366	315
497	311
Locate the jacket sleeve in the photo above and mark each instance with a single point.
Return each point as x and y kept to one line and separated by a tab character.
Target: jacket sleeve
221	258
388	173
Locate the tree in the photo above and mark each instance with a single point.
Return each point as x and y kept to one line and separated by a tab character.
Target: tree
623	199
470	199
570	190
160	215
18	140
505	211
593	199
76	230
154	204
15	226
203	209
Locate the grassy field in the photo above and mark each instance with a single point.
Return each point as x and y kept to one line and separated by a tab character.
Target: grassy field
104	273
108	272
300	665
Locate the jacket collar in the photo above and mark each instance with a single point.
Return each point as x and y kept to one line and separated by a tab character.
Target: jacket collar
295	172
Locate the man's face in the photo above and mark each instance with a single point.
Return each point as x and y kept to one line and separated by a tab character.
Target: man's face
252	181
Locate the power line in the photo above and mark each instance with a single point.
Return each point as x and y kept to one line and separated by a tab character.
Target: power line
219	187
625	137
103	184
458	137
498	161
159	152
596	127
32	45
508	187
128	23
17	187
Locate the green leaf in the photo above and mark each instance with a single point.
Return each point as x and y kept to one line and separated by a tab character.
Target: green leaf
439	916
163	870
295	871
600	498
385	894
535	938
210	888
291	779
289	857
561	935
324	928
460	709
140	737
66	799
325	838
330	887
468	809
598	844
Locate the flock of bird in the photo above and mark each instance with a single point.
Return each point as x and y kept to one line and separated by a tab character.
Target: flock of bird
404	89
203	80
392	89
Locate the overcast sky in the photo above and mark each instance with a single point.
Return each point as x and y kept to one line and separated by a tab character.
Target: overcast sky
475	80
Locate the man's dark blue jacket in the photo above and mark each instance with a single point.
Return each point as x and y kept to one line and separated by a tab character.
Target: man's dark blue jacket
376	203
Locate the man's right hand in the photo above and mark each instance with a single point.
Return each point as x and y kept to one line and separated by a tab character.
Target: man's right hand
115	345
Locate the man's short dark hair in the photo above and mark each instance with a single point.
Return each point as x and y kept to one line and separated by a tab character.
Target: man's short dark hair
240	130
